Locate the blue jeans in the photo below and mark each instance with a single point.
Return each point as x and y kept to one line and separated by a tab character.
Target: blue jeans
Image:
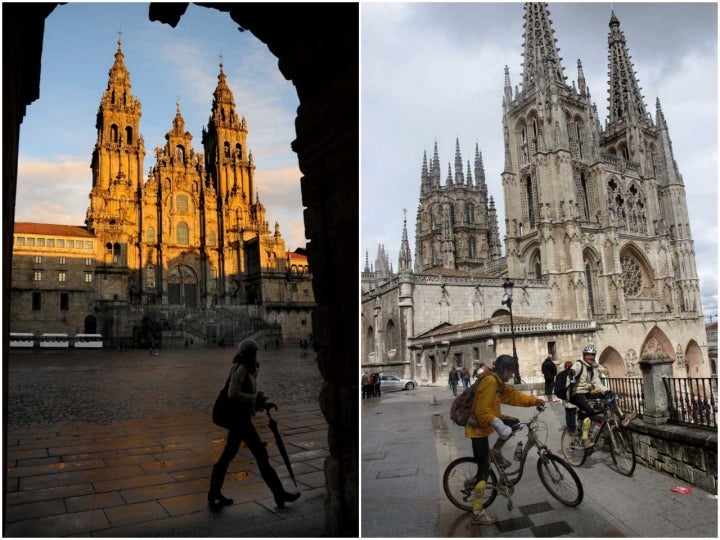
453	385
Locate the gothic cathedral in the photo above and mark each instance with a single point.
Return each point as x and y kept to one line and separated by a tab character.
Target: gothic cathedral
598	243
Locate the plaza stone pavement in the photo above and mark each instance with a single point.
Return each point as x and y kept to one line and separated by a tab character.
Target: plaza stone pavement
149	476
408	439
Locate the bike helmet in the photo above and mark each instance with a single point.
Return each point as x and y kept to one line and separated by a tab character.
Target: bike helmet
589	349
504	361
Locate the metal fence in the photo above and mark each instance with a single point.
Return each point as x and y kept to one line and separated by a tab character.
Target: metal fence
629	392
692	401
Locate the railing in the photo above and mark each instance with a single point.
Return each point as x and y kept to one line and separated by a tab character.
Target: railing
692	401
629	392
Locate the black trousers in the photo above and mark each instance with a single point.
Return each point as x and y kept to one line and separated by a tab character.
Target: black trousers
245	431
481	453
549	386
584	408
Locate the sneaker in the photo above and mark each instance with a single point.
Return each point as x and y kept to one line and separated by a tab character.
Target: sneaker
586	444
502	462
482	518
629	417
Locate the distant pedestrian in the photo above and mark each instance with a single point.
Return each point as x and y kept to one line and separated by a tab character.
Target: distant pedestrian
243	393
453	380
549	371
465	377
365	385
376	385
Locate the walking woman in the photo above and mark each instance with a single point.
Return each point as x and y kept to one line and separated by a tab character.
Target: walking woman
244	395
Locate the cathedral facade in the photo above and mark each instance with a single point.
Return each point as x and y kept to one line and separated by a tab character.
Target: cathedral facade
188	247
598	245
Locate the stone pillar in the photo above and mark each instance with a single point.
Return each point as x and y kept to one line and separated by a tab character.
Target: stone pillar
654	368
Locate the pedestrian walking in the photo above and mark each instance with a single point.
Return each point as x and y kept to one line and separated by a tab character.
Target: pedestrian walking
245	400
549	371
376	385
453	380
465	377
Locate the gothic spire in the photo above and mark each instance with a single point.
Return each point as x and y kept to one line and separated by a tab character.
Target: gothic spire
468	176
479	169
626	101
581	79
424	176
405	259
223	107
541	58
659	116
459	181
507	97
449	181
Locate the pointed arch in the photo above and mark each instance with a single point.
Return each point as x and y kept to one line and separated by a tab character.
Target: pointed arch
128	135
694	360
392	337
593	268
636	272
612	361
370	342
657	341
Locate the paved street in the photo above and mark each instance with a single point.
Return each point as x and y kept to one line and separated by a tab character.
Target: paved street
109	443
408	440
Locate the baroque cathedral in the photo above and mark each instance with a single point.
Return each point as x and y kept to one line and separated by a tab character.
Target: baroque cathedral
598	245
187	250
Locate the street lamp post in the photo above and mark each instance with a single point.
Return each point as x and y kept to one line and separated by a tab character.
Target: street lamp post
507	301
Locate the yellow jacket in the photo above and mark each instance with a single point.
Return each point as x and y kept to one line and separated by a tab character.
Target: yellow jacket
486	406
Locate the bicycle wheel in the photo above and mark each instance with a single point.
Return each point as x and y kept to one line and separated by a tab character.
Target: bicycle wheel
459	482
622	451
572	448
560	479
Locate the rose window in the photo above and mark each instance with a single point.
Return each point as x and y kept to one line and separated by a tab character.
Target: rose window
631	276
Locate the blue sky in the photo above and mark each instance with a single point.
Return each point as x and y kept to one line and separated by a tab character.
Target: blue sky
58	133
435	72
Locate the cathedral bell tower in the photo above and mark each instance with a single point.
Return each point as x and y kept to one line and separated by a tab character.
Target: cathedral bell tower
589	208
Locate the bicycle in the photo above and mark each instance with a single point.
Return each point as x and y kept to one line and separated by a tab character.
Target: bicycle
621	446
556	475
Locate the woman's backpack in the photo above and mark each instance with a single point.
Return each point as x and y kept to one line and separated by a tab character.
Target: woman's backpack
462	406
560	389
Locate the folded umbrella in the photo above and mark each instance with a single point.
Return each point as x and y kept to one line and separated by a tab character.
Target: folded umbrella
278	440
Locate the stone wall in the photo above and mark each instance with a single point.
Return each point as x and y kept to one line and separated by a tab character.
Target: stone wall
686	453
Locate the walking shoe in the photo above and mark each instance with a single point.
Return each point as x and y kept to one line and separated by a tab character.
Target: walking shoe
629	417
502	462
282	498
482	518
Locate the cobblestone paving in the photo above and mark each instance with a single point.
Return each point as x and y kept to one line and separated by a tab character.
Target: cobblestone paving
47	388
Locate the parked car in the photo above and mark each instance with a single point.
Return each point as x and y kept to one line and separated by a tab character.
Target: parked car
393	382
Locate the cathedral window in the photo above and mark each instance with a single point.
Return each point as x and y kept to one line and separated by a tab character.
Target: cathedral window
150	234
631	276
531	200
535	265
238	151
150	276
183	234
471	248
114	133
180	153
583	196
469	213
181	204
116	252
108	248
129	135
391	337
226	146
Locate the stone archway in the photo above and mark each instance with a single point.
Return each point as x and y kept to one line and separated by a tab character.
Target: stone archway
694	360
613	363
322	62
657	342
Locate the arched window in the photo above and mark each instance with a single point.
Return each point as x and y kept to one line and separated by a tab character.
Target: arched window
150	234
128	135
116	252
536	265
391	337
150	276
471	248
583	196
226	146
183	234
592	284
114	133
469	213
530	201
238	151
181	204
180	153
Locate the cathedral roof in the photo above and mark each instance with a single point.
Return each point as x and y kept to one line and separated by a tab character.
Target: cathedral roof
448	329
453	272
51	229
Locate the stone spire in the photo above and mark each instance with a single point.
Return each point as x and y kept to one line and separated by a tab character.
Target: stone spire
405	258
468	176
449	181
424	176
459	179
507	96
626	101
494	232
479	170
582	86
541	58
435	169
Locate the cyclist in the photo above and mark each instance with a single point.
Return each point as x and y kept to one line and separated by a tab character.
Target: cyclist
583	386
491	392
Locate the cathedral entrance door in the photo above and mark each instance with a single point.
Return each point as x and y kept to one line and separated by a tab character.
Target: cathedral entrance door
182	286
